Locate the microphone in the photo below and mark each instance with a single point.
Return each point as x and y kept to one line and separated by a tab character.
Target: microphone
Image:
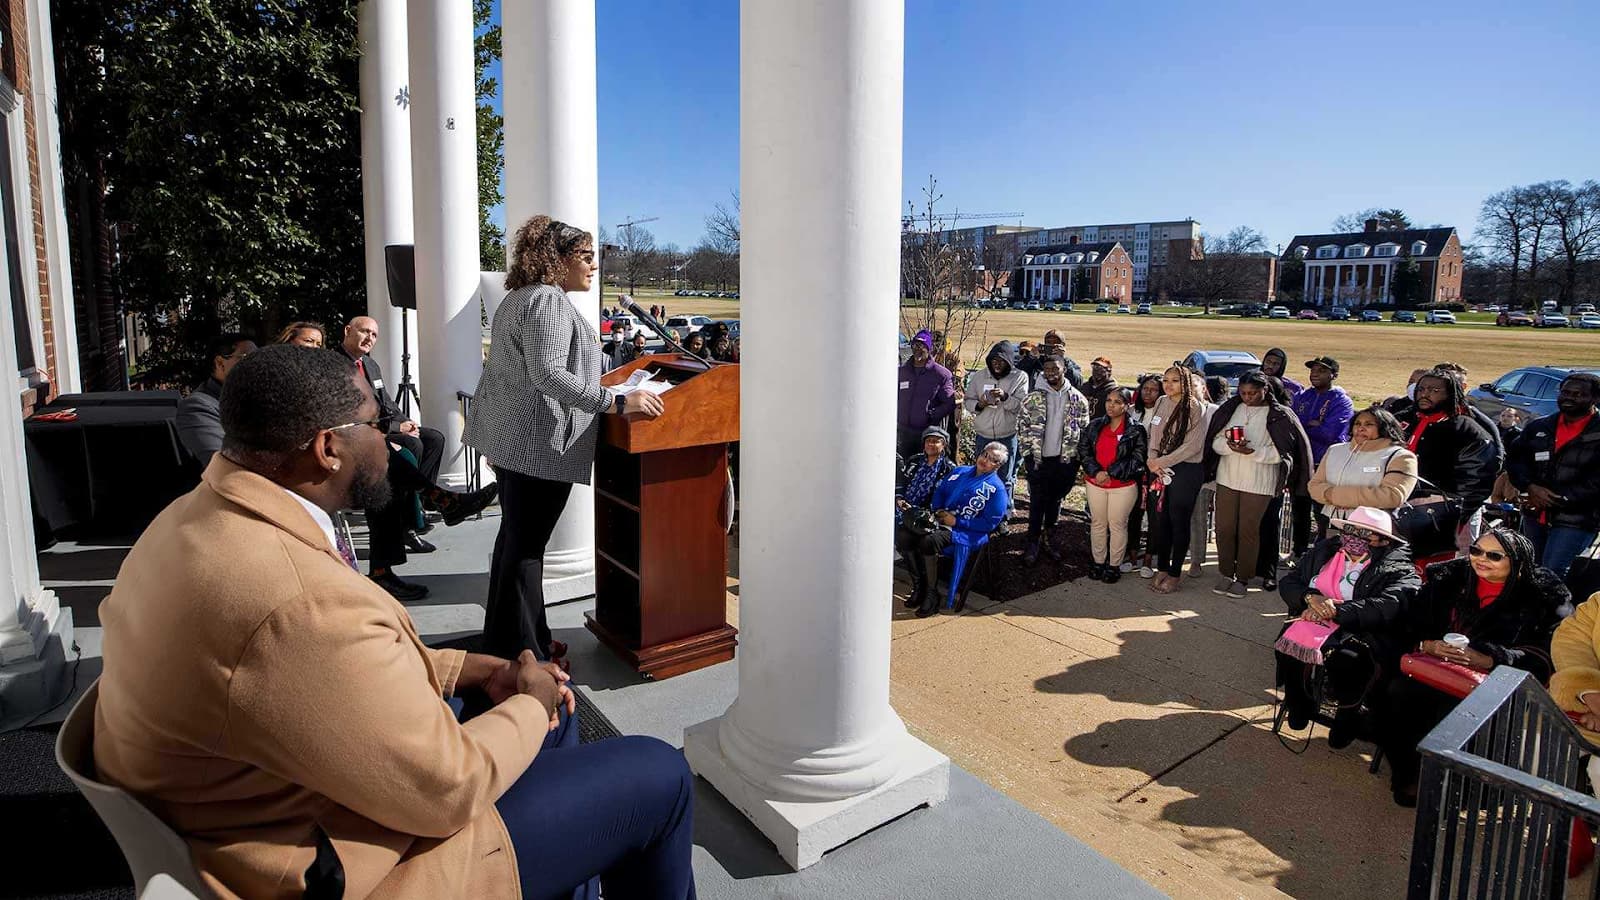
658	328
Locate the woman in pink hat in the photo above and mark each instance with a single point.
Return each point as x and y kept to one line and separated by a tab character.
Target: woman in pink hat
1357	578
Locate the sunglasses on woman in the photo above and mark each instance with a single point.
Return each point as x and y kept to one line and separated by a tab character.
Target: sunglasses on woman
1493	556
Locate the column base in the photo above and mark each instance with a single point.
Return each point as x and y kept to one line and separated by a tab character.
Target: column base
568	574
804	830
37	681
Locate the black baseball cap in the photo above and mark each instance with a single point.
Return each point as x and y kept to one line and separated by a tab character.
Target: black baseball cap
1330	362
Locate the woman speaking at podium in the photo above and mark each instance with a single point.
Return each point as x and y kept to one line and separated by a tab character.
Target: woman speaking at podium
536	417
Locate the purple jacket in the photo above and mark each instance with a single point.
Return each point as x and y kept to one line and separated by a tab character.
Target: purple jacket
1335	410
927	395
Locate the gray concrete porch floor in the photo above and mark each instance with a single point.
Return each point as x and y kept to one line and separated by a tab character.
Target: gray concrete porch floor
978	843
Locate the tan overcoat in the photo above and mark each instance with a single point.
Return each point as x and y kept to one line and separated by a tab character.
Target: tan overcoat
256	689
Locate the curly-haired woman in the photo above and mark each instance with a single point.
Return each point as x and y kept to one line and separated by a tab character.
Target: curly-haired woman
535	415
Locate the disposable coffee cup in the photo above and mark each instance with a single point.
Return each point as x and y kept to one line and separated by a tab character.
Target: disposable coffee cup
1458	641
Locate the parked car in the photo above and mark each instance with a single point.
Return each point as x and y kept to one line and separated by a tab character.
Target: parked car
1512	319
628	327
1549	306
1229	364
1404	315
1279	312
1143	309
1441	317
1063	306
1589	320
1253	311
687	325
1019	304
1493	307
1582	308
1104	307
1306	314
1530	389
1124	310
1034	305
1338	314
1371	315
1553	320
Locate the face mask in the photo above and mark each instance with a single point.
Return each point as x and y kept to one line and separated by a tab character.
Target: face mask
1354	547
1411	391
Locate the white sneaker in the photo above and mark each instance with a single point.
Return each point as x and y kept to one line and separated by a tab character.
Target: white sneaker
1125	568
1146	572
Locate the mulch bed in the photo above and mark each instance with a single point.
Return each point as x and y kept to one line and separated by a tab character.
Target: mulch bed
1006	578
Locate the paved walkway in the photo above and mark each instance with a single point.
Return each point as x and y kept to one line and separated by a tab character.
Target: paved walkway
1139	723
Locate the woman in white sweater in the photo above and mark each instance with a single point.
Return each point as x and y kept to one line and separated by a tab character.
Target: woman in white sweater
1177	443
1373	468
1254	448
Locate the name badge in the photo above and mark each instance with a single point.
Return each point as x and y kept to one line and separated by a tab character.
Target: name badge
1369	468
377	384
1542	456
905	385
1155	420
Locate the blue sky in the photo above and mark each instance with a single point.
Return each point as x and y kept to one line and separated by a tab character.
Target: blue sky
1278	116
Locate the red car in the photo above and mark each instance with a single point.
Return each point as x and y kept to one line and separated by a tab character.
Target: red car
1513	319
1307	314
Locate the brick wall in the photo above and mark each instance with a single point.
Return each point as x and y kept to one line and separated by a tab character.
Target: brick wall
1116	276
1447	273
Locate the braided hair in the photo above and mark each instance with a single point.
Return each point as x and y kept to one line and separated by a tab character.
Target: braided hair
1185	413
1455	388
538	249
1518	549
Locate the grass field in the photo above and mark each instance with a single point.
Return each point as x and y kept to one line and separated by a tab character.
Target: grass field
1375	359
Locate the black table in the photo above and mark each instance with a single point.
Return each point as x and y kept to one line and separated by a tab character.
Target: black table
110	470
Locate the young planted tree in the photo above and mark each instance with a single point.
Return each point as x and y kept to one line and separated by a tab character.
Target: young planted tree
1408	289
933	275
491	140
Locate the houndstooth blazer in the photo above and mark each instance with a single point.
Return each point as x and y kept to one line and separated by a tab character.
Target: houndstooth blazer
539	401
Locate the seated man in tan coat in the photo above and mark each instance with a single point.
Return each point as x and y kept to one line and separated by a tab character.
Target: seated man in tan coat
280	712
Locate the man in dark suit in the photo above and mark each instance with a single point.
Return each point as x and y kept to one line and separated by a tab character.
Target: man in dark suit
426	444
416	453
199	416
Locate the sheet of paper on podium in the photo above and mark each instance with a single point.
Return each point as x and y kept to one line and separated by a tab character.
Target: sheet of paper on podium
643	380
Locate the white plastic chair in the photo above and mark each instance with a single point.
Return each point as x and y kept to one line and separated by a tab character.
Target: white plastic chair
151	848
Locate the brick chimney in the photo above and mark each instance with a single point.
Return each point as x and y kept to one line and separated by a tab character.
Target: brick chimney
1371	226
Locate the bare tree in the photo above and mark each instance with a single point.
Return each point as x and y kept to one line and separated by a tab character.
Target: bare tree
1388	220
933	273
1507	219
722	226
1233	267
1574	216
637	246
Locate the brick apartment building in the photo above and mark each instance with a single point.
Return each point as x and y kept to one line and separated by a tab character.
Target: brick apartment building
1151	246
1359	267
1054	274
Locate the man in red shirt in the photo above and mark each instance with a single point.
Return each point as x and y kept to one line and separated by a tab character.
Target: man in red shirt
1556	463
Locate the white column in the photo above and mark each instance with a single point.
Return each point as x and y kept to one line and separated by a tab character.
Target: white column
552	165
1305	286
444	189
385	174
58	265
34	629
811	750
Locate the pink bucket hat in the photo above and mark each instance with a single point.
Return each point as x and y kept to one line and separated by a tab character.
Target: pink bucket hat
1377	521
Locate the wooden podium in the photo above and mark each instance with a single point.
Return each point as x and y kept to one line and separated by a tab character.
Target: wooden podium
661	552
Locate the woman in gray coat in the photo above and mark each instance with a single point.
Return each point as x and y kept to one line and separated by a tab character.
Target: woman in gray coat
536	416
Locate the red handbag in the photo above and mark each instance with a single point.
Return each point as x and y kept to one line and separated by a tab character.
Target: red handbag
1441	675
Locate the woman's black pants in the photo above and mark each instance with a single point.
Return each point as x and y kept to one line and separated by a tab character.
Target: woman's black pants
529	510
1170	524
1410	710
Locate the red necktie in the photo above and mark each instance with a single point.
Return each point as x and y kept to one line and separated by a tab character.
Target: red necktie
362	368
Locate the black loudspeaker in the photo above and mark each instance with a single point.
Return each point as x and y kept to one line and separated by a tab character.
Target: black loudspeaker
400	260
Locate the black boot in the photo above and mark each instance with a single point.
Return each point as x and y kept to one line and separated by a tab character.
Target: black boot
1031	556
1050	550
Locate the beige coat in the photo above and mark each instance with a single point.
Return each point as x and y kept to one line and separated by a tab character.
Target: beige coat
1389	474
1575	650
256	689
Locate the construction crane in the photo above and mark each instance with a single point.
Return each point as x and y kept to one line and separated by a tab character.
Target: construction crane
907	222
632	222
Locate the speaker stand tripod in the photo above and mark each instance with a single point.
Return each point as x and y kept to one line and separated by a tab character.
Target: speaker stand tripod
406	392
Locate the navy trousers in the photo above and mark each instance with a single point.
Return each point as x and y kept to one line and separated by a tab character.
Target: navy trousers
617	814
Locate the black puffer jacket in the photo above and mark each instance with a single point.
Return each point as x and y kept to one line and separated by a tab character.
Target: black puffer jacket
1288	435
1132	449
1382	590
1514	630
1456	456
1573	471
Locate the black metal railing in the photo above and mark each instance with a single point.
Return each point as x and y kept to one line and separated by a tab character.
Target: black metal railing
474	470
1502	781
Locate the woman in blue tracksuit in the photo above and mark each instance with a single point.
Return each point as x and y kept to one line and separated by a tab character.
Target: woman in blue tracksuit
967	505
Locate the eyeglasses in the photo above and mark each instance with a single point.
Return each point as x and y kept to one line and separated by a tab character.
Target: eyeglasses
1491	555
1359	533
370	423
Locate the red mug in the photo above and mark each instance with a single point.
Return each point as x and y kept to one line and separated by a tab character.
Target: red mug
1236	433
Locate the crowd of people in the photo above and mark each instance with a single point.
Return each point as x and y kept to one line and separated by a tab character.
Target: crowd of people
1421	532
